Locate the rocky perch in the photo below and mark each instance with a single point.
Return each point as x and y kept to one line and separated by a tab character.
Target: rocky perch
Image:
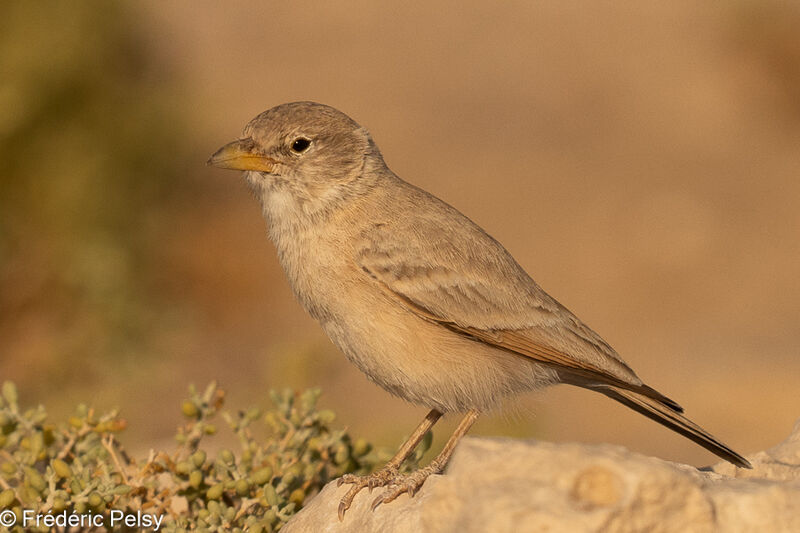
504	485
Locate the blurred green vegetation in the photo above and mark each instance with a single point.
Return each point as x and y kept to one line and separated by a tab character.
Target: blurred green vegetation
285	455
90	137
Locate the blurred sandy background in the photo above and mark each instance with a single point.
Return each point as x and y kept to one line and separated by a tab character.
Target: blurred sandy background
640	161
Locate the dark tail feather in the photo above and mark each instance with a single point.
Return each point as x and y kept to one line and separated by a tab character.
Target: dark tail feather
660	398
666	415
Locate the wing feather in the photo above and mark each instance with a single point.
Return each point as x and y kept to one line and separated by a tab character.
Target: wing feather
478	290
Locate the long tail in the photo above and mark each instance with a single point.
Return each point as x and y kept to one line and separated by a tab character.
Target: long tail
668	416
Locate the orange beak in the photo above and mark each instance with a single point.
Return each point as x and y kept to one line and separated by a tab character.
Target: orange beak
242	155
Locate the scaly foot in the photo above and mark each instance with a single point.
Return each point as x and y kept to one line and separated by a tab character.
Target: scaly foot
389	476
406	483
381	478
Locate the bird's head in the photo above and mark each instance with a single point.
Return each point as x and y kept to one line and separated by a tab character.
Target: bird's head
311	151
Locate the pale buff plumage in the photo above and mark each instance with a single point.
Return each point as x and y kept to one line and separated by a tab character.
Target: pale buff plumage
415	294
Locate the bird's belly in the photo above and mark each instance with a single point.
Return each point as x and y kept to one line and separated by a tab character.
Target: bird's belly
428	364
411	357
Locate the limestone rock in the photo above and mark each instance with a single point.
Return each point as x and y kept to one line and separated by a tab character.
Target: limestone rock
504	485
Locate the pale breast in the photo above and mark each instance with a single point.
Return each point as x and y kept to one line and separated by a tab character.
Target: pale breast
415	359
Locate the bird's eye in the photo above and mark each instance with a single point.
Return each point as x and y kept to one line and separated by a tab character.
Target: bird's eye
301	144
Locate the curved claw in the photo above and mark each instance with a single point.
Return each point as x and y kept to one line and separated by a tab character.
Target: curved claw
376	502
410	485
347	500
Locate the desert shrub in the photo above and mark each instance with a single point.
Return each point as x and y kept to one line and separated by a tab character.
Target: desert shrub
79	468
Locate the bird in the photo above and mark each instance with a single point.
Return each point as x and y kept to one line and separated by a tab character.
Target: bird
419	297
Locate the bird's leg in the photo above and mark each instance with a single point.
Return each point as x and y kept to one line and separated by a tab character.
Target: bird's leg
412	482
389	472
